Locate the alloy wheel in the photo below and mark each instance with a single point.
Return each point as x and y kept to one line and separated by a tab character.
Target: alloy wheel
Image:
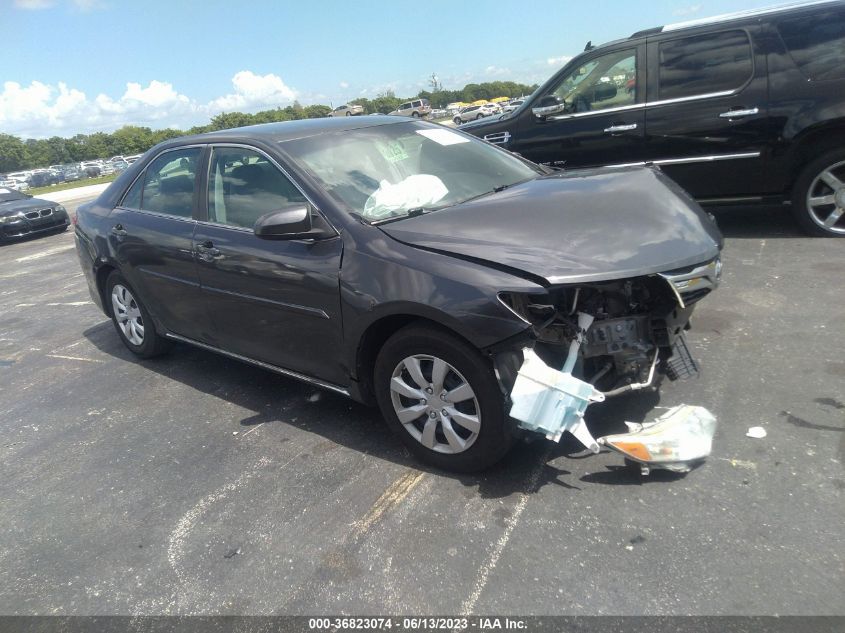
826	198
435	404
127	314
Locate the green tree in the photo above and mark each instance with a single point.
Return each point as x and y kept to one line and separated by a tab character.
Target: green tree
12	153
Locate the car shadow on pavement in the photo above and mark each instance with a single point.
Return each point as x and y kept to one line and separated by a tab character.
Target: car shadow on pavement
761	222
273	399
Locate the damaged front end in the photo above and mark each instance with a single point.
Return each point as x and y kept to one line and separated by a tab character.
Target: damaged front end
599	340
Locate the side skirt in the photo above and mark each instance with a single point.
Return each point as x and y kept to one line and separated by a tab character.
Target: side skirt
279	370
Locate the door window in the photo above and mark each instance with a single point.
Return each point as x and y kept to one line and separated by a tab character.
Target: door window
704	64
816	43
609	81
167	185
243	185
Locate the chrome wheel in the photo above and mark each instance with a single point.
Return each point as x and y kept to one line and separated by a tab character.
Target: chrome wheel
435	404
127	314
826	199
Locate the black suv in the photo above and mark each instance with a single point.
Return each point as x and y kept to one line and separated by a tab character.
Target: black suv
742	108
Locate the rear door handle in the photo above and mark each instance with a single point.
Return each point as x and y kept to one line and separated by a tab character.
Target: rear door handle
622	127
738	114
207	252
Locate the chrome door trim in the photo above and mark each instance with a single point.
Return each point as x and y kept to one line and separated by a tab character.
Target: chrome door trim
692	159
279	370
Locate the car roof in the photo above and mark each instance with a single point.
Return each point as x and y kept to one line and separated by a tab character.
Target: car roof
290	130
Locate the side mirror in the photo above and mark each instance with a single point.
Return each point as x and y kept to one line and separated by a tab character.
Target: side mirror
289	223
547	106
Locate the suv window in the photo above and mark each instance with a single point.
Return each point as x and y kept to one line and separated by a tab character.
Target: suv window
167	185
816	43
704	64
417	104
603	82
405	106
243	185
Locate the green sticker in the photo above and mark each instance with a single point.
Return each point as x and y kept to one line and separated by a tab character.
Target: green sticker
393	152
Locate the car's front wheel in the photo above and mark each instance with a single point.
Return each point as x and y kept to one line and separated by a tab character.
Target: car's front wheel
440	395
456	120
131	319
818	197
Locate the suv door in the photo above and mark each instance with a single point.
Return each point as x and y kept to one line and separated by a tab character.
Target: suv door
593	114
707	113
151	235
275	301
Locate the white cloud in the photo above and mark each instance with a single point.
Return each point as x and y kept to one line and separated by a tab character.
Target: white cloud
34	5
343	85
558	61
495	71
41	110
690	10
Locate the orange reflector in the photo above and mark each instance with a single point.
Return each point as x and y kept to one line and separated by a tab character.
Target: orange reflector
634	449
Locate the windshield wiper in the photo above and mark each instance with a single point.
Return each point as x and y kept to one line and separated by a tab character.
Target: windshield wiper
411	213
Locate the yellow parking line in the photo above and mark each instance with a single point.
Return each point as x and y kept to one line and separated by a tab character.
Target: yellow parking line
390	498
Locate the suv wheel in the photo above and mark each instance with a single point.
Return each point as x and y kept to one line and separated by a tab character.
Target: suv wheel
818	198
440	395
131	319
415	114
457	120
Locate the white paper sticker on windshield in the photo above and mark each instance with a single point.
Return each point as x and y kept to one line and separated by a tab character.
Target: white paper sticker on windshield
443	137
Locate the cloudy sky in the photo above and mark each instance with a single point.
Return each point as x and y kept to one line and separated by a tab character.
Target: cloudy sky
72	66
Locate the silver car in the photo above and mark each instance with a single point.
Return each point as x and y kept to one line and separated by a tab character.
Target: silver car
473	112
348	109
418	109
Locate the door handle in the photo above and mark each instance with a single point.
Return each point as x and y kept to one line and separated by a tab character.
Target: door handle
207	253
614	129
738	114
118	231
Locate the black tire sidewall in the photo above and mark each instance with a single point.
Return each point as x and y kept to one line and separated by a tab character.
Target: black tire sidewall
496	434
801	188
153	343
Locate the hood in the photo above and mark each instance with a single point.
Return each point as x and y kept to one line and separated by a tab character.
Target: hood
590	225
474	127
27	204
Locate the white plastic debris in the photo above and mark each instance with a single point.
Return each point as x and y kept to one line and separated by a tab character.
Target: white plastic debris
550	401
757	432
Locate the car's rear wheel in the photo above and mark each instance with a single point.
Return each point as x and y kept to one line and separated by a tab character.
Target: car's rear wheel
416	115
131	319
456	120
478	117
440	395
348	113
818	197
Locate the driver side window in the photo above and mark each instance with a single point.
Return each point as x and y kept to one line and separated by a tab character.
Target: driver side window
609	81
243	185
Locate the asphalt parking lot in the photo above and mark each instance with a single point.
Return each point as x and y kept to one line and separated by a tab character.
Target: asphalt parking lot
196	484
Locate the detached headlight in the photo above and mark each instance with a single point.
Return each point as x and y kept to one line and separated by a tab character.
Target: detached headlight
674	441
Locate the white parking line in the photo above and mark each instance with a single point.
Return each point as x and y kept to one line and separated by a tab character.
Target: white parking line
47	253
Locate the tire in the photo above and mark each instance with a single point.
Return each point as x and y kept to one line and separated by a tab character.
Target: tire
457	120
822	179
478	117
466	434
415	115
139	336
348	114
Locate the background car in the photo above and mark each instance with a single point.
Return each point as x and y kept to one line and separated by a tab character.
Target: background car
473	113
768	84
349	109
418	108
22	215
513	105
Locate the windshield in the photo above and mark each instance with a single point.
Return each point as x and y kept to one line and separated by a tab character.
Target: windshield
7	195
384	172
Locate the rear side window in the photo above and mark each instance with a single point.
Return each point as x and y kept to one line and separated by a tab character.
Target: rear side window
167	185
816	43
704	64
